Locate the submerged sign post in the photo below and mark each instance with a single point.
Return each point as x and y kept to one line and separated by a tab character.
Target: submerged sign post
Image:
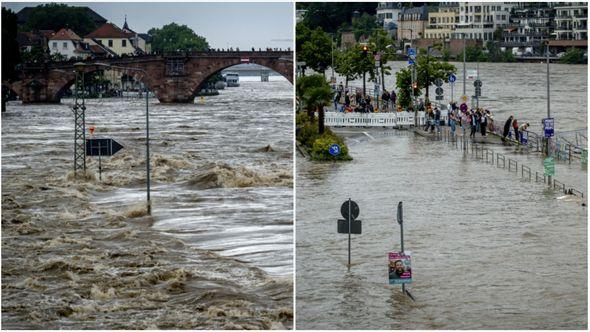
399	263
350	211
101	147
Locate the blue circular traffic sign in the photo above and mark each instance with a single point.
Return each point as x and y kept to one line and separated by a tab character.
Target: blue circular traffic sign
334	149
452	78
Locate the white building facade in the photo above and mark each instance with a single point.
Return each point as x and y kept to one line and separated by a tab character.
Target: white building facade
571	20
479	20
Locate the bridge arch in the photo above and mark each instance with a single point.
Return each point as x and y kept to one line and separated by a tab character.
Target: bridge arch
219	67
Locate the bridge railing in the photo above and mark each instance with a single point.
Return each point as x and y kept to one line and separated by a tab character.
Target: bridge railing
391	119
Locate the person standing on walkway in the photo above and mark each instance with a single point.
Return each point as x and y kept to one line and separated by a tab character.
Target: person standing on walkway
516	134
522	129
393	98
507	127
483	123
473	120
437	119
452	118
347	100
385	98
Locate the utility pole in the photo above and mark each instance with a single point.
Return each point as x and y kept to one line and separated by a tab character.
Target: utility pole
79	110
464	76
547	146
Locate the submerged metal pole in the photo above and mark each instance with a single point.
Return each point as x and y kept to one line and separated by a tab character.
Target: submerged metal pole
464	76
548	105
147	149
349	228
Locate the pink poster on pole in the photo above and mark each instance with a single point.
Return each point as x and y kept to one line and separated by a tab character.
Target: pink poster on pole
400	268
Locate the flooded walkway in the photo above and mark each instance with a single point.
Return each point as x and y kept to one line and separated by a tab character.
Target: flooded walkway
489	251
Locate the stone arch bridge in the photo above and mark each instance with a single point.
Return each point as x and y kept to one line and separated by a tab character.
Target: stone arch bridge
172	78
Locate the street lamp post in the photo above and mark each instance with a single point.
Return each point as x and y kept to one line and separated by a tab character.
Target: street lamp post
464	75
547	145
147	130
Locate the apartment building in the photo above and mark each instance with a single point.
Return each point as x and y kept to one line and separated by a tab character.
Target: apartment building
571	20
479	20
441	23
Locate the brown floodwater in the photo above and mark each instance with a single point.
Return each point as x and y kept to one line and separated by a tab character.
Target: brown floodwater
216	252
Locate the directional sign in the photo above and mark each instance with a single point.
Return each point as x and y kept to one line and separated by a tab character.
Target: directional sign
477	83
411	62
452	78
549	165
411	52
102	147
438	82
334	149
354	208
548	127
439	91
355	228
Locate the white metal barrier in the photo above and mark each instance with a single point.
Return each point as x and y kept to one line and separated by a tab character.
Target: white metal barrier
393	119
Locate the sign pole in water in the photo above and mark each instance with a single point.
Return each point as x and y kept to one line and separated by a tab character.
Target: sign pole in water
349	229
350	211
400	221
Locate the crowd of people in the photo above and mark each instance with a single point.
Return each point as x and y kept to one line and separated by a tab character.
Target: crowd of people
346	100
474	120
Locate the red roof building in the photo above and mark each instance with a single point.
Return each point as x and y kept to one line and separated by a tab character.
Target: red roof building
109	30
65	34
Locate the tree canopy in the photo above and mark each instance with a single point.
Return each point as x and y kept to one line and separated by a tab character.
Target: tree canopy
314	93
331	15
54	16
10	49
174	37
315	49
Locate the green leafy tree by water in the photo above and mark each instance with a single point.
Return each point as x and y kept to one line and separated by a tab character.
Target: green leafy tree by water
316	50
314	93
344	65
364	25
382	43
173	37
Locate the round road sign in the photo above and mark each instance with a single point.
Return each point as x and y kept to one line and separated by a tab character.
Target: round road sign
464	98
354	208
452	78
334	149
477	83
439	91
438	82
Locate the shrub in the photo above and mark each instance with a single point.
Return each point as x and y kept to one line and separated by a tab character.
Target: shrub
321	147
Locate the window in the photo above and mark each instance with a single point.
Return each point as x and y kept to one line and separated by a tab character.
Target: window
124	42
65	45
54	44
110	43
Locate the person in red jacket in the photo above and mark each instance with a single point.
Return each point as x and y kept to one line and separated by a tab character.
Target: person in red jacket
515	127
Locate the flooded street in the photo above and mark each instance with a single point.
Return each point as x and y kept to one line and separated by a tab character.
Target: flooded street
490	251
216	252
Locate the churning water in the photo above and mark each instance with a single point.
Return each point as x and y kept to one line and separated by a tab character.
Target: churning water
217	250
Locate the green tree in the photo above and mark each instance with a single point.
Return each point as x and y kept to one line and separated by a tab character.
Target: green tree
429	69
54	16
382	43
36	54
173	37
364	25
574	56
344	65
362	64
330	16
473	53
404	87
10	49
315	51
314	93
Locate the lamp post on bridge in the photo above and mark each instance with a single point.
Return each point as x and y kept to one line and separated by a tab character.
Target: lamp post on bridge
147	130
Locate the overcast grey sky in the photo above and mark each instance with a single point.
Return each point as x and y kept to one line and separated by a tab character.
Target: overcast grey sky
238	24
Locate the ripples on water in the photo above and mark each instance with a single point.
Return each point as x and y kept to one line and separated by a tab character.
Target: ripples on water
489	251
217	252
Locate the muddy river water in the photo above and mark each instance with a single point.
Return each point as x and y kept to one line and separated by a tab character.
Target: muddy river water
217	250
